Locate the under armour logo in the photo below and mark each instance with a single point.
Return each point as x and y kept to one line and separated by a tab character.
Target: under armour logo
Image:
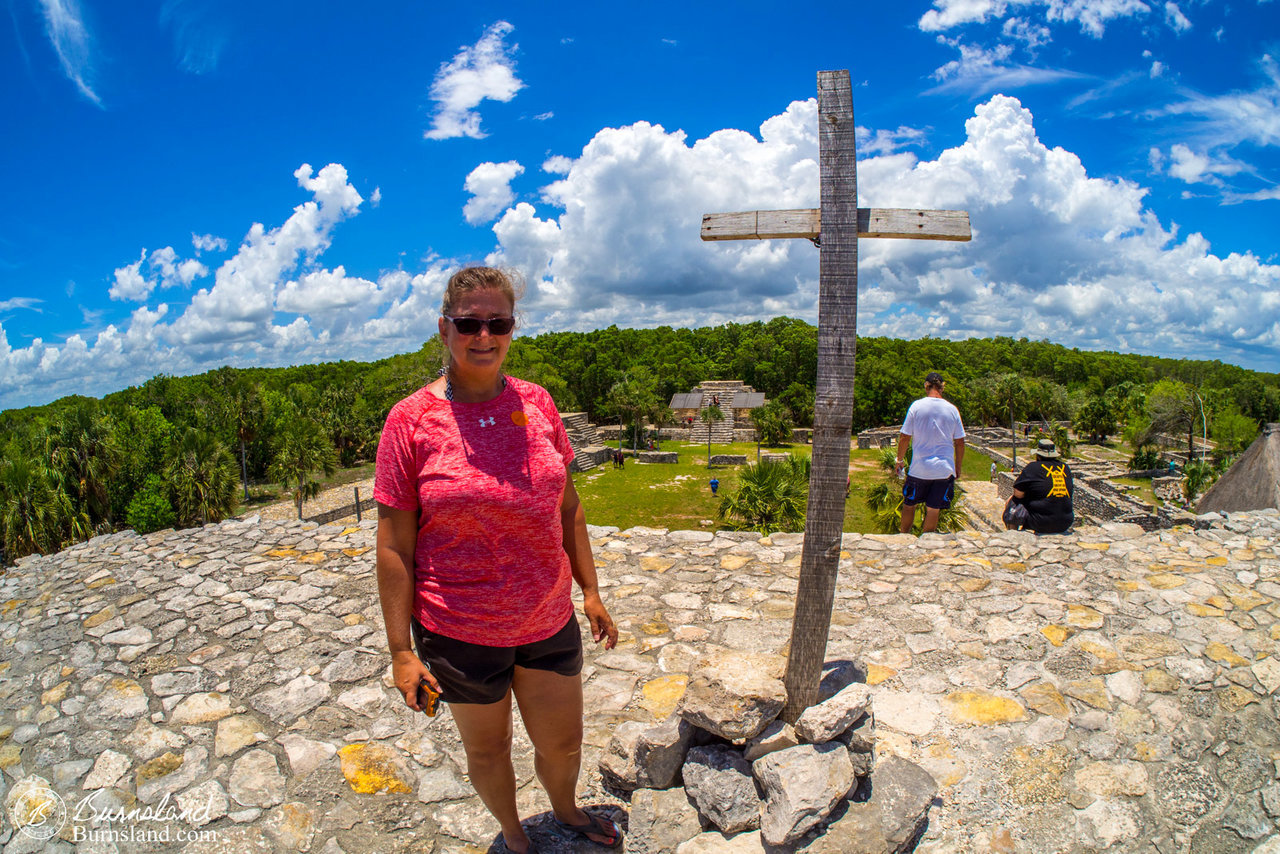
487	422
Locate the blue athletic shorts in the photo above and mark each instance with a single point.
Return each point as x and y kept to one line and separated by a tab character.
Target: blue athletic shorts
936	494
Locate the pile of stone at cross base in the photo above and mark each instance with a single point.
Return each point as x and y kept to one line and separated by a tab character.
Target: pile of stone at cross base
762	782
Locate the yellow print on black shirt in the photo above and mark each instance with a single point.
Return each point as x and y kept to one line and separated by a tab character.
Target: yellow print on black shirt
1059	477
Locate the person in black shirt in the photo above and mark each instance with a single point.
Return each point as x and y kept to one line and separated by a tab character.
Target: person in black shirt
1045	488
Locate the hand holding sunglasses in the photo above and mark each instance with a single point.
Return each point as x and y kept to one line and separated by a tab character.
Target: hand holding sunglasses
471	325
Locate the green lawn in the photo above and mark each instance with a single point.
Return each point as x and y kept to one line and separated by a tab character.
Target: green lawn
1145	491
678	496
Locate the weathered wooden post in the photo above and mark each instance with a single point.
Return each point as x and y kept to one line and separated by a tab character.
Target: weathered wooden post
835	228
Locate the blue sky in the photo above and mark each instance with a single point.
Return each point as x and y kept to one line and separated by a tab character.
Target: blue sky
195	183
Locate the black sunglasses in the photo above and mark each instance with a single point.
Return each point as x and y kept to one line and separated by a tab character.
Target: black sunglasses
471	325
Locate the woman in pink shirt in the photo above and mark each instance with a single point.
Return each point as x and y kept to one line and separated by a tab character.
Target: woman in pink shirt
480	536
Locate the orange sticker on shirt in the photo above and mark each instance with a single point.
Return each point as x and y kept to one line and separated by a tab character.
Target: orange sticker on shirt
519	418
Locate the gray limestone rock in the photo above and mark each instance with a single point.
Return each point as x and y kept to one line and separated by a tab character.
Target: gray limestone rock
187	680
304	754
660	752
203	803
802	785
121	702
1185	793
292	700
889	821
776	736
353	666
647	757
719	782
107	770
618	763
442	783
861	737
828	719
256	780
1246	816
659	821
734	694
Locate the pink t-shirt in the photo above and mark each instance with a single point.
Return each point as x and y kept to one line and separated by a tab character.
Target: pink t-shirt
487	481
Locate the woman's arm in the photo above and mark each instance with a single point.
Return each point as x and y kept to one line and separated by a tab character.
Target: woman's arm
573	519
397	540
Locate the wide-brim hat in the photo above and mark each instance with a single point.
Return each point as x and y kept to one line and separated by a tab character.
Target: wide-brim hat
1047	449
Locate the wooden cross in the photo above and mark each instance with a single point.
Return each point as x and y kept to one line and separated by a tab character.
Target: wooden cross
835	228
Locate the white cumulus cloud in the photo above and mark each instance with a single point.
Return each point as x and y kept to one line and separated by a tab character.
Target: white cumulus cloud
490	187
485	70
208	243
1056	253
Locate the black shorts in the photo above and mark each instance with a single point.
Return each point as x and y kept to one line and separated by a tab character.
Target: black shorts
473	673
936	494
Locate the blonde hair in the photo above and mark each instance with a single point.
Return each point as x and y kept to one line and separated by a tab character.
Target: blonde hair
508	282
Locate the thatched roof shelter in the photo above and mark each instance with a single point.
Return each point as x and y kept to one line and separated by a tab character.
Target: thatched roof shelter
1253	483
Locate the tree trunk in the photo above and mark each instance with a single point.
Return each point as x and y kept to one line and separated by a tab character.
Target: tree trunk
244	472
833	404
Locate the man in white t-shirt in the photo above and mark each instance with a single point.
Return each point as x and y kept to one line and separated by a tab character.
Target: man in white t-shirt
936	435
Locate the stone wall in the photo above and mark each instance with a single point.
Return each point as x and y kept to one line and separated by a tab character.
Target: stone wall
1076	692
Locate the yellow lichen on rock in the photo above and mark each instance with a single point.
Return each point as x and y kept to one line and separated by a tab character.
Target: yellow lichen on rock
662	695
877	673
1056	634
95	620
1092	691
1046	700
980	708
371	768
1225	655
1084	617
1234	698
1159	681
1165	580
159	767
651	563
1198	610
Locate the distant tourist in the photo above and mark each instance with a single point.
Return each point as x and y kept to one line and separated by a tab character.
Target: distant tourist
935	434
480	537
993	472
1044	489
715	485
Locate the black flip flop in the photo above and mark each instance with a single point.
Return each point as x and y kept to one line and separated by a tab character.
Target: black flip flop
598	826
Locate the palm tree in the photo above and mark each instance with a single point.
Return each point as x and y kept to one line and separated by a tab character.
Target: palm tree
84	456
771	496
300	450
34	513
710	415
203	475
884	500
245	414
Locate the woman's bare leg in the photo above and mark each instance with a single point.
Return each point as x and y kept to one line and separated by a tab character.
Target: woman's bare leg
551	707
486	736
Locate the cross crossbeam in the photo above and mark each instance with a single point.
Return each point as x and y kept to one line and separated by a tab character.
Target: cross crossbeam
872	222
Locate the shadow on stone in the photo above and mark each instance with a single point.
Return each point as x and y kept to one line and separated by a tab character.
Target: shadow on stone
551	839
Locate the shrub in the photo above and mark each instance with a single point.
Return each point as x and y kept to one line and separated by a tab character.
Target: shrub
1147	457
150	510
